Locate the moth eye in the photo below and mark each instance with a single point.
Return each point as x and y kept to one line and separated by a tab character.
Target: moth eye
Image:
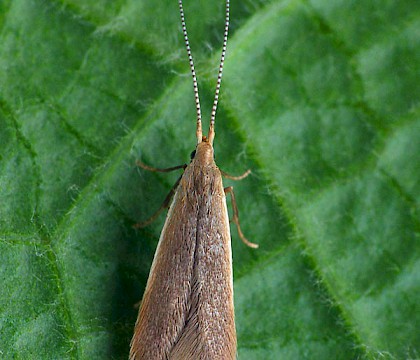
192	155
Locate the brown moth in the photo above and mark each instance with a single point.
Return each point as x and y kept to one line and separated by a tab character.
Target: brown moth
187	308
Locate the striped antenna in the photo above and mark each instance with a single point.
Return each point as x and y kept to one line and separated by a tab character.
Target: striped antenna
219	76
199	130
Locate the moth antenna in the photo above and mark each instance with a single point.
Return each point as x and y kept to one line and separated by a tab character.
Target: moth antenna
219	76
199	131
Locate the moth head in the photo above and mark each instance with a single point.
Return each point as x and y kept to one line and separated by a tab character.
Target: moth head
203	153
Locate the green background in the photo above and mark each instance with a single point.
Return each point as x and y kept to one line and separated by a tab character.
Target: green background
319	98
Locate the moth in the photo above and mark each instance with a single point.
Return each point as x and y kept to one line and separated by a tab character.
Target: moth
187	308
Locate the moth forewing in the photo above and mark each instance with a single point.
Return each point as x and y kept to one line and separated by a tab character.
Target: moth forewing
187	309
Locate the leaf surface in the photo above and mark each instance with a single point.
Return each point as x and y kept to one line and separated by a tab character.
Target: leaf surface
320	99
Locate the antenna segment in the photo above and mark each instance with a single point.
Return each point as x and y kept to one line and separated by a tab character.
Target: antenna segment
199	131
219	75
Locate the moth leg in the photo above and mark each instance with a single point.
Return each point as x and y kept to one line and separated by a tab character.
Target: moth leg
240	177
168	198
149	168
229	190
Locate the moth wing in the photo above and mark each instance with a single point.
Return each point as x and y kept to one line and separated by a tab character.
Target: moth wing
165	307
209	332
187	310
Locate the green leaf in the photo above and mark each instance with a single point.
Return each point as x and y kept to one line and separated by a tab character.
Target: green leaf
319	98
